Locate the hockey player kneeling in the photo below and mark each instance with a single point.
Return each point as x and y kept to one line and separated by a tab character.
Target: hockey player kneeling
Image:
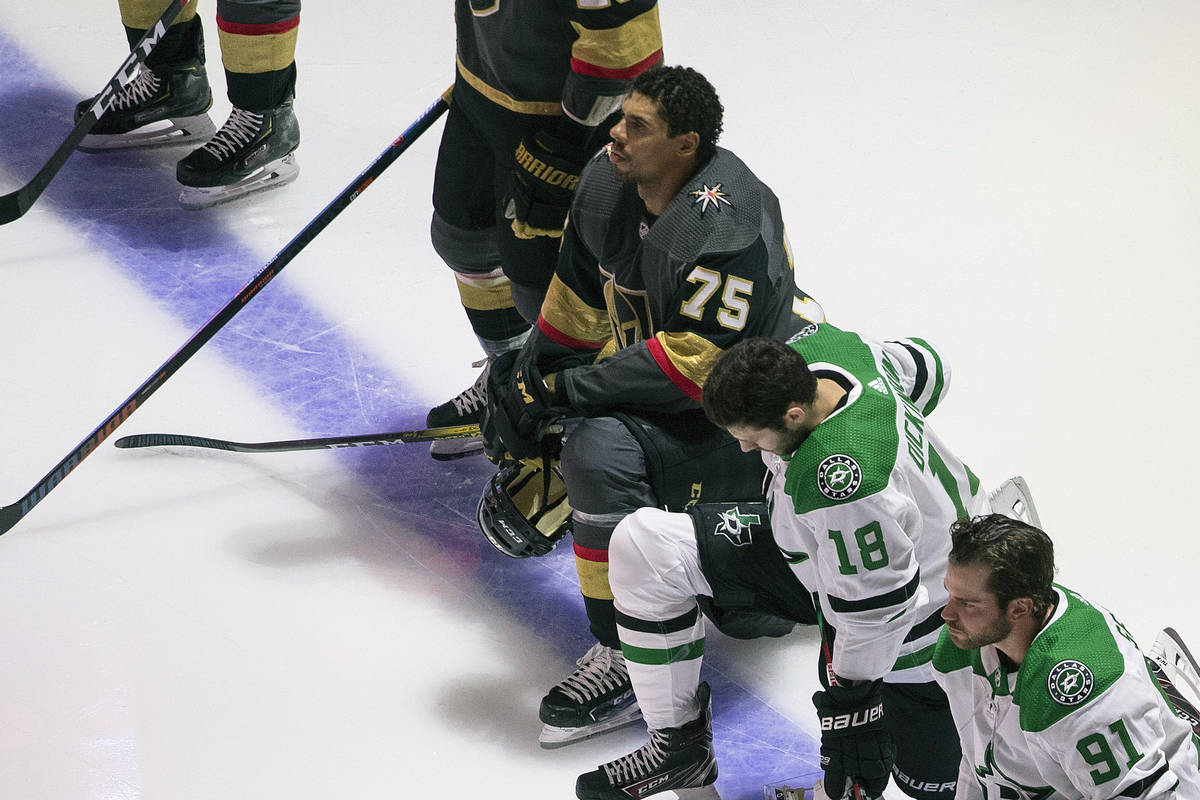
1051	695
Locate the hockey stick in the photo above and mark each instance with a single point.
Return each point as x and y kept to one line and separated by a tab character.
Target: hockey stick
10	515
15	204
329	443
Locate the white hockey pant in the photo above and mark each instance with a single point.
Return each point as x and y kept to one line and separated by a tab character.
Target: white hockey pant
654	572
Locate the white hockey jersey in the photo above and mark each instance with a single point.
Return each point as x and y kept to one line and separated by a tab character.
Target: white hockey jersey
862	509
1081	717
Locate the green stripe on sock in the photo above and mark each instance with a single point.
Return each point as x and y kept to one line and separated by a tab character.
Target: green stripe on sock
654	656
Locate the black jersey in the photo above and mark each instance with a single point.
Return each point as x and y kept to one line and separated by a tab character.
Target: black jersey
550	56
660	300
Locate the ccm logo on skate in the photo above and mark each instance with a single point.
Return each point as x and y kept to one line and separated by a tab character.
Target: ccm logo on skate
843	721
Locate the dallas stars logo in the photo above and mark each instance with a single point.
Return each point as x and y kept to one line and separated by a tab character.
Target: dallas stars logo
735	526
706	197
1070	682
838	477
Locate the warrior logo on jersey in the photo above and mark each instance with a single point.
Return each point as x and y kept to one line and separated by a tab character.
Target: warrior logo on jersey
838	477
735	526
1070	682
710	196
807	330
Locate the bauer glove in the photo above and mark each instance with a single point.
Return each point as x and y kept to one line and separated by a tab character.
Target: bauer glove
856	748
545	172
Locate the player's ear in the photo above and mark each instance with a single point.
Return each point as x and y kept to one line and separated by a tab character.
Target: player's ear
688	144
794	416
1019	608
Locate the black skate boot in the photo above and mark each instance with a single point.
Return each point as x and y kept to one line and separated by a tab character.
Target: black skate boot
464	409
676	759
254	150
163	105
595	698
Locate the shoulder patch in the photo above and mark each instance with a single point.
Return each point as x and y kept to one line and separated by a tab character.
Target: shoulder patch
838	477
706	196
1070	682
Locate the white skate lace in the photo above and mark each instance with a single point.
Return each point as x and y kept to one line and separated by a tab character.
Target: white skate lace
475	396
139	90
600	670
639	763
239	129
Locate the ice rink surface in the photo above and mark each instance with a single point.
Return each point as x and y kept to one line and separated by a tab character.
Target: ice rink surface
1017	182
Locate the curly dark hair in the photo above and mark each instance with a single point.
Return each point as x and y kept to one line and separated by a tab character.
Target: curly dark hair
687	101
755	382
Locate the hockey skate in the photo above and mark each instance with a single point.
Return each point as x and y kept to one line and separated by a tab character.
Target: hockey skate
162	106
1013	499
1178	674
675	759
253	151
464	409
595	698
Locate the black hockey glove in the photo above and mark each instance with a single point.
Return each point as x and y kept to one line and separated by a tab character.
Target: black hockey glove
520	407
545	173
855	746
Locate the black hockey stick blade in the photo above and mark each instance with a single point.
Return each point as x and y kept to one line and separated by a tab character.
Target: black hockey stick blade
10	515
14	204
327	443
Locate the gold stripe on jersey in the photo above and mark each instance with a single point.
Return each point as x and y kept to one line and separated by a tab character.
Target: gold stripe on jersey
564	311
621	47
691	354
501	99
141	14
254	55
484	294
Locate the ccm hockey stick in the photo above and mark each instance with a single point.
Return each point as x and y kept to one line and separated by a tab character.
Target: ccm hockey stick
329	443
1179	675
10	515
15	204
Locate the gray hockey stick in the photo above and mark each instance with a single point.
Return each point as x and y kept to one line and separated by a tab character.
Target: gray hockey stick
327	443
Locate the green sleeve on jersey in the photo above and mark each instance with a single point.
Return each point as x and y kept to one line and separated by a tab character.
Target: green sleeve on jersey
1070	663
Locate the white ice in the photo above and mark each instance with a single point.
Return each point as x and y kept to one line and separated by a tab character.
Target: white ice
1016	182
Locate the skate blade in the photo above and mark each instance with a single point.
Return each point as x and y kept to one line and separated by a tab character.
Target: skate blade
453	449
180	130
552	737
703	793
272	176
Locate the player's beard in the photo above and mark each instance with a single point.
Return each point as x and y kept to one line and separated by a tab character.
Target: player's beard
998	631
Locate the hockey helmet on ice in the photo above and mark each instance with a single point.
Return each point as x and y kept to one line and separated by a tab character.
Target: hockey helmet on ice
524	510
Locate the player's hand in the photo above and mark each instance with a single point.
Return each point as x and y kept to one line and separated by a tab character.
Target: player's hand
855	746
545	172
520	409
